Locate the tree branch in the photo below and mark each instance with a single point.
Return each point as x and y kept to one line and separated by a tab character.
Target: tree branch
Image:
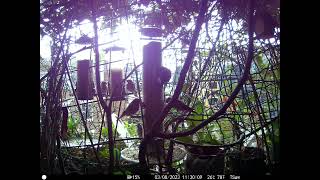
233	94
148	137
104	105
240	140
187	64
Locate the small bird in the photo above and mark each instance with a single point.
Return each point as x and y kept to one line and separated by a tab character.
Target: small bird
139	130
164	75
233	106
131	87
180	105
104	87
132	108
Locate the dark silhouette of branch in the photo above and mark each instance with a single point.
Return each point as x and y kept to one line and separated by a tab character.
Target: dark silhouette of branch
81	115
169	157
171	42
212	51
233	94
240	140
101	143
187	64
68	56
191	52
104	105
90	47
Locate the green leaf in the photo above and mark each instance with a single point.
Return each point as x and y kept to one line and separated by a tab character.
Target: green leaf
131	128
214	141
199	107
186	139
104	132
117	173
197	118
260	61
206	138
104	153
116	154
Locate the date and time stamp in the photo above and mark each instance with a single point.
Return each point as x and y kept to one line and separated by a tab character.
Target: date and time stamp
186	177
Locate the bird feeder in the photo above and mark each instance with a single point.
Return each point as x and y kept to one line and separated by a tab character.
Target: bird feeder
152	87
151	34
116	51
153	99
151	31
117	85
85	85
264	25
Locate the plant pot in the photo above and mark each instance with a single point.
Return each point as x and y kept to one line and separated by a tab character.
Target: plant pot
249	162
204	160
131	155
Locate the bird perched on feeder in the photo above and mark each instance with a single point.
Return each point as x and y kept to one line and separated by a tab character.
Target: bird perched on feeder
180	105
104	87
131	87
164	75
132	108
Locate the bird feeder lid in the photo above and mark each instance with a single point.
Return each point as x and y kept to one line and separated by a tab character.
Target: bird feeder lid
84	39
151	31
114	48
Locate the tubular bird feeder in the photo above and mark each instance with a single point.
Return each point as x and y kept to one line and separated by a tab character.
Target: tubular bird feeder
85	85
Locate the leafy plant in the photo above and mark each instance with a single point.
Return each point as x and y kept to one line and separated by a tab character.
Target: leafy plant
131	128
186	139
205	136
104	131
72	126
104	152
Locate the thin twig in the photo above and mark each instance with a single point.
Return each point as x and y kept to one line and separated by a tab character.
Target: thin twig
104	105
148	137
239	141
233	94
81	115
186	66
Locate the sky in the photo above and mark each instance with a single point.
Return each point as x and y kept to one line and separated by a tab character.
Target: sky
126	35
